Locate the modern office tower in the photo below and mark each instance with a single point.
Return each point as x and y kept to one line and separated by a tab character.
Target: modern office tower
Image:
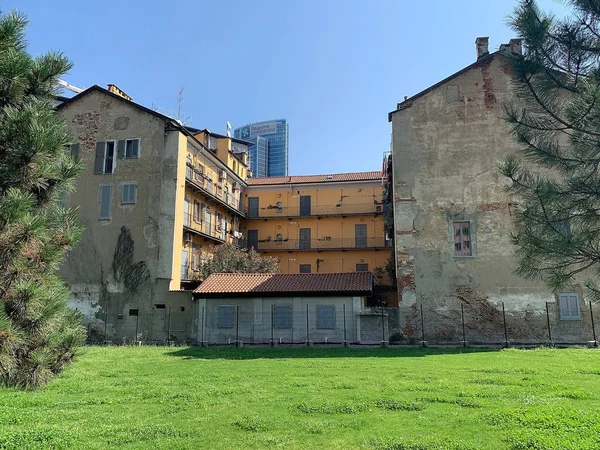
269	155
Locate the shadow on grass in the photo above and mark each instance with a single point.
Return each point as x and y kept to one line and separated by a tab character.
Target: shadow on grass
286	353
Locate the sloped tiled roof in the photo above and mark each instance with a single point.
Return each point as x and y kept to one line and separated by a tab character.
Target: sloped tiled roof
296	179
263	284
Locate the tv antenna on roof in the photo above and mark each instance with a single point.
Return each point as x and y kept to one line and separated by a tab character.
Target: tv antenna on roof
179	115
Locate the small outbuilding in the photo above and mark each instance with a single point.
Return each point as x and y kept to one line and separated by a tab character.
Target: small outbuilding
261	308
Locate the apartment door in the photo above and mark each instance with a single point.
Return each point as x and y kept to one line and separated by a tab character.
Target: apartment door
186	213
184	265
304	241
208	224
252	207
360	235
305	205
252	239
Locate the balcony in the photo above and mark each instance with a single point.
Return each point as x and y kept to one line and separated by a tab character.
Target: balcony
196	181
189	274
355	209
373	243
204	229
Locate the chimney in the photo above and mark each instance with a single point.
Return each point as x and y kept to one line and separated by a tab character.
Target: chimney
115	90
516	46
481	45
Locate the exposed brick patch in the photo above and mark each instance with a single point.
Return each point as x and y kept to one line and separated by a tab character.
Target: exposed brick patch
398	198
89	124
489	97
495	206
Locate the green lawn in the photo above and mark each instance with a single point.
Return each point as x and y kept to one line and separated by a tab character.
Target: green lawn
158	397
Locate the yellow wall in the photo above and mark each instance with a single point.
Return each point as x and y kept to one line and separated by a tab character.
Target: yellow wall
224	153
179	200
336	208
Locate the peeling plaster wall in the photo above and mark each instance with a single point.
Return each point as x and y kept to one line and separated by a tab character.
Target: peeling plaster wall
446	148
117	265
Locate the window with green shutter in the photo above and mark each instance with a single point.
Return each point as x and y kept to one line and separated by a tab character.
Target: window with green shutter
104	199
282	317
128	193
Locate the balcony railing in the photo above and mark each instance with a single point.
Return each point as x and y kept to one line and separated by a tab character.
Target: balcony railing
324	244
206	229
188	273
227	199
319	210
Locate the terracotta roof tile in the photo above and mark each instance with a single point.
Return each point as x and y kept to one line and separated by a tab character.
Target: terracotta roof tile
281	284
296	179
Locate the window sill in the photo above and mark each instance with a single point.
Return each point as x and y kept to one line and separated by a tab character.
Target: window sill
464	257
570	319
128	203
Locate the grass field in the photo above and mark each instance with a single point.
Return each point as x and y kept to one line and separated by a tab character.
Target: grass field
171	398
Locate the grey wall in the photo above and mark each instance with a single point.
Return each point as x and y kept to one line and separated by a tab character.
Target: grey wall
446	149
115	267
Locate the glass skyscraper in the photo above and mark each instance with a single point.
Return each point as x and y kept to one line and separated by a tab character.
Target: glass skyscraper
269	154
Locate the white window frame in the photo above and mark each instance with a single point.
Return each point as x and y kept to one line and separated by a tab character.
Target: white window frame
114	158
139	148
566	296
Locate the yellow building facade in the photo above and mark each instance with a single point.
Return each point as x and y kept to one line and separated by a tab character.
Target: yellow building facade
213	207
319	223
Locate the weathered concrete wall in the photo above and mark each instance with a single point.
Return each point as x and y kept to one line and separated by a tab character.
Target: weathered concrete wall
446	147
115	267
253	320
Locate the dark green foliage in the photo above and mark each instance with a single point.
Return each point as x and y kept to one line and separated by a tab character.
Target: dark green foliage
38	334
557	123
226	258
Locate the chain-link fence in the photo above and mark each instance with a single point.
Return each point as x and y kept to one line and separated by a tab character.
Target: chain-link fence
280	324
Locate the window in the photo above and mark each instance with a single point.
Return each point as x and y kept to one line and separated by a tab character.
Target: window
196	211
462	239
226	194
569	306
128	193
105	157
225	316
160	306
132	148
362	267
326	317
305	268
199	172
282	316
104	199
133	312
74	149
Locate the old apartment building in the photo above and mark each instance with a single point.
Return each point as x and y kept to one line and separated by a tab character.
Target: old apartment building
453	216
153	198
319	223
156	196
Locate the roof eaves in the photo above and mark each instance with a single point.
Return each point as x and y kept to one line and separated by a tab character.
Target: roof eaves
408	102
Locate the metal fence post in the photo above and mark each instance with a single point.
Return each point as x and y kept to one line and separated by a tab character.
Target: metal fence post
345	341
169	327
137	321
105	323
548	322
505	332
237	325
307	330
382	328
422	327
202	328
272	311
593	326
462	315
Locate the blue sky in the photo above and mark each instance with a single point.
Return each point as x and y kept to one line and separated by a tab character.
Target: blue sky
333	68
